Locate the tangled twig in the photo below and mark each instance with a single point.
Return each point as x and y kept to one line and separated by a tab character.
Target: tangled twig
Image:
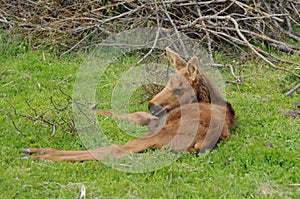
47	117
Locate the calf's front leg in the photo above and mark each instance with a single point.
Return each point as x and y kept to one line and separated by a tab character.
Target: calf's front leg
140	117
155	139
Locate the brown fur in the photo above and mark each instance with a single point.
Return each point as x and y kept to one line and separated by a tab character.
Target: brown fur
189	114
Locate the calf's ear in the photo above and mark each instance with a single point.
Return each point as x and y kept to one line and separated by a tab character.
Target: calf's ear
175	59
192	67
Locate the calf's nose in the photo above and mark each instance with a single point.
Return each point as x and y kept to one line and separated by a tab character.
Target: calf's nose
156	109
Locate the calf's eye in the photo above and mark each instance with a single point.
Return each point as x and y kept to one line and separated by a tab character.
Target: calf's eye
177	91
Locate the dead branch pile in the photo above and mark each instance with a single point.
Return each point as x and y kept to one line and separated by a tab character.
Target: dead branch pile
218	24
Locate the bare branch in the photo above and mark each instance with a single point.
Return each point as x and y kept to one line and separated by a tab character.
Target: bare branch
293	90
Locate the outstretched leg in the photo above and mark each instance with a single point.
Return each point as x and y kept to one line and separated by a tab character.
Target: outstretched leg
73	156
155	139
57	155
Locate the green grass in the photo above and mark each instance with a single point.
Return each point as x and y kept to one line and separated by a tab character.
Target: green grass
241	167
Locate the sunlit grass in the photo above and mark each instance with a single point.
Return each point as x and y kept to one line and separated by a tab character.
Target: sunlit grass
260	160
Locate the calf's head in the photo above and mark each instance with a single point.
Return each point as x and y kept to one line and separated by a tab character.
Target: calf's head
187	85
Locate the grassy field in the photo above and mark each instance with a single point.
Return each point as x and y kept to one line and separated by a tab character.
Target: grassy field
260	160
